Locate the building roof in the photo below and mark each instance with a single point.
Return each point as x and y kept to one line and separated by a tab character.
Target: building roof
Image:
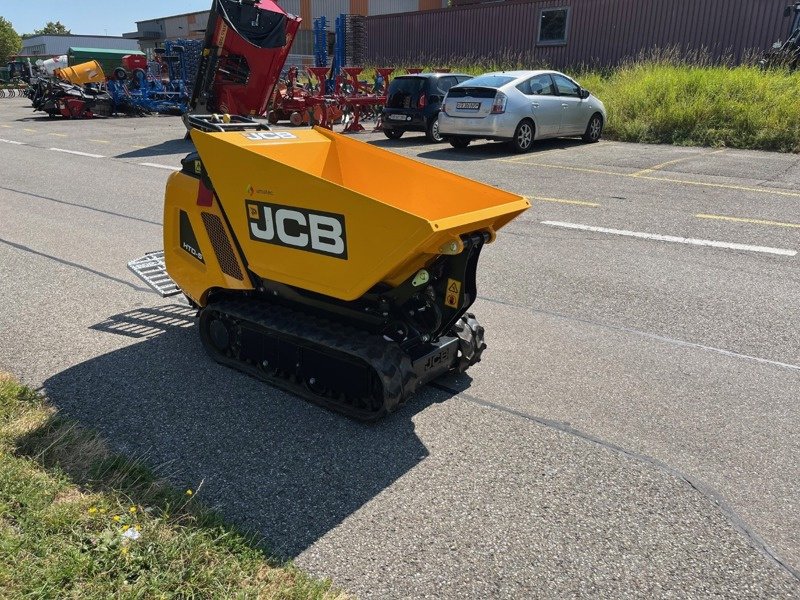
91	35
106	50
197	12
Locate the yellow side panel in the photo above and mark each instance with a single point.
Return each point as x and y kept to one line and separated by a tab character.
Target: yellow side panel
383	215
194	264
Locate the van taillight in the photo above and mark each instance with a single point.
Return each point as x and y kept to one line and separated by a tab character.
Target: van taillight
423	100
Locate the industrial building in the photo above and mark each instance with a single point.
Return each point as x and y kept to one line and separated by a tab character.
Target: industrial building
56	45
152	33
568	33
309	10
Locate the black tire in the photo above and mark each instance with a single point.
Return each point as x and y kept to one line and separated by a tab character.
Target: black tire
523	137
459	142
120	74
393	134
594	130
432	130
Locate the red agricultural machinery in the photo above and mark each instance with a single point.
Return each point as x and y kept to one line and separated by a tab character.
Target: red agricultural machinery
348	101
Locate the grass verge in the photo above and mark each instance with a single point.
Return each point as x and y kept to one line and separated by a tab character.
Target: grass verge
740	107
79	522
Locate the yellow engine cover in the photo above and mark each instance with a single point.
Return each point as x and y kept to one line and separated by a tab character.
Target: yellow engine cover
333	215
199	251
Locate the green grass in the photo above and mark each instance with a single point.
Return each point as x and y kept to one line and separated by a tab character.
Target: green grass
685	100
68	508
741	107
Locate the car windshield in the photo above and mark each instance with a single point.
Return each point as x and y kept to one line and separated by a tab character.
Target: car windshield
493	81
404	92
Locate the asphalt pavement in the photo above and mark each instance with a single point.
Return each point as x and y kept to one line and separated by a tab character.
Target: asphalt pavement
633	430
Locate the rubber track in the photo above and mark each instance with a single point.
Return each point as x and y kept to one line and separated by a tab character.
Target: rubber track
390	364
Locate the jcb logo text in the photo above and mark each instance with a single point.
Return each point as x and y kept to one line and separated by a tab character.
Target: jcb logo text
269	135
313	231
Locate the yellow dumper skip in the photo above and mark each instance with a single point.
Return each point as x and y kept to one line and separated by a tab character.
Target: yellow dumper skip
88	72
362	215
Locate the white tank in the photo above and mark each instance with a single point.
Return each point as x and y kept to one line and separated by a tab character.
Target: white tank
51	64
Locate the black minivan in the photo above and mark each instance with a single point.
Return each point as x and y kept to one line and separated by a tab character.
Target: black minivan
414	101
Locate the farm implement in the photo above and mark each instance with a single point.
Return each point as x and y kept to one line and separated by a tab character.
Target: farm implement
136	87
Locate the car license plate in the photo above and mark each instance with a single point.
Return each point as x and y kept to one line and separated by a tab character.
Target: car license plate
468	105
397	117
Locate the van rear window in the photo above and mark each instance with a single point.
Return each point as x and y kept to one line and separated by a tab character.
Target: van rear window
404	92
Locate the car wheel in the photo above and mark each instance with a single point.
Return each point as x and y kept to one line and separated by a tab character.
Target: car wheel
594	129
432	130
459	142
393	134
523	137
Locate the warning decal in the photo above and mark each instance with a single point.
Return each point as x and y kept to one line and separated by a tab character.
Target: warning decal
453	293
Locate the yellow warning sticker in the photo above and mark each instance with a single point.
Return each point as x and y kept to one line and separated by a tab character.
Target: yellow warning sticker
452	296
252	210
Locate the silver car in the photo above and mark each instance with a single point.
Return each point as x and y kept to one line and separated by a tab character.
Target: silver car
520	107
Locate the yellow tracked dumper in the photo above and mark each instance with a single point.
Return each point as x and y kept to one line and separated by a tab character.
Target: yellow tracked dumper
326	266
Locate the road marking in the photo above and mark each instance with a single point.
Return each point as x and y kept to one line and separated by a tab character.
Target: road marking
743	220
515	159
59	134
99	141
12	142
78	153
672	238
725	186
6	126
660	166
565	201
158	166
31	130
566	168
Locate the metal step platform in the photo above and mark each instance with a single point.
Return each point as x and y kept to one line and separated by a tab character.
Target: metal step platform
151	269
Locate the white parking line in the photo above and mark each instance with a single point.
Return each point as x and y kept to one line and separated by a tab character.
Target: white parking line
78	153
672	238
12	142
158	166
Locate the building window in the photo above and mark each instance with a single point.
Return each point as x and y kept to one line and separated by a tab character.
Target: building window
553	26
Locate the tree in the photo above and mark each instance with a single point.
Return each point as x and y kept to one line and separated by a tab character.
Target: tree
51	28
10	42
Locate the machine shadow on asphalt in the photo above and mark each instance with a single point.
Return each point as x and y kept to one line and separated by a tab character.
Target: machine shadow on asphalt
270	462
179	146
483	150
407	141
